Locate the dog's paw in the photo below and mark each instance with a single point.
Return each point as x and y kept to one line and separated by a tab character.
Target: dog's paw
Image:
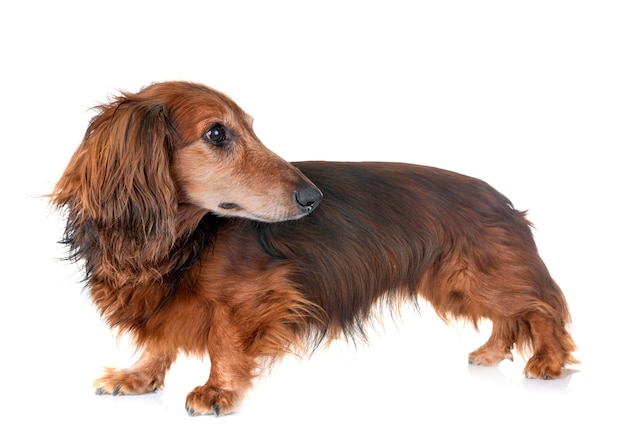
542	367
487	356
125	382
209	400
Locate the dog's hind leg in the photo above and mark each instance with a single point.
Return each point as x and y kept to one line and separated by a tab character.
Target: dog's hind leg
145	376
535	323
540	331
526	306
498	347
552	347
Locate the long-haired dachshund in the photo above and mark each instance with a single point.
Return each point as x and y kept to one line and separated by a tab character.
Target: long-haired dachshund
196	238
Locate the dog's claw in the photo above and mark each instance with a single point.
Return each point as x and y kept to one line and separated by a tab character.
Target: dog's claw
100	391
117	390
192	412
543	375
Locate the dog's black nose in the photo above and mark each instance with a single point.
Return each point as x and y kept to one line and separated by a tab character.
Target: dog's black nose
308	198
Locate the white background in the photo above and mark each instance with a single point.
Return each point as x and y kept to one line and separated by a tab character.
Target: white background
529	96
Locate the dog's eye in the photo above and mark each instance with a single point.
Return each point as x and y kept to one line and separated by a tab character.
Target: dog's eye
217	135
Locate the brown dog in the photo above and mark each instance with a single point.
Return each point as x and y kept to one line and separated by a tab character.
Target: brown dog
196	238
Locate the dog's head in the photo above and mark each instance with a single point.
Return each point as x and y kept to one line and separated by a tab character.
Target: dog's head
222	166
172	145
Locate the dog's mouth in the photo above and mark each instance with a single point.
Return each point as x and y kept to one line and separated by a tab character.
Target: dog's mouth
304	201
229	206
231	209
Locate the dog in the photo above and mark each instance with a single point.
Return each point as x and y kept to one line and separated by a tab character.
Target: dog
195	239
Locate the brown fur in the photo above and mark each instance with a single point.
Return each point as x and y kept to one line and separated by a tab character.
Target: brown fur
215	245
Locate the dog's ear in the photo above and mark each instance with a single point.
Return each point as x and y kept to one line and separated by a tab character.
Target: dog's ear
118	191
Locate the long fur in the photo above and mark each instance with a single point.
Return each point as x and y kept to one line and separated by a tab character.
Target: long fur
197	238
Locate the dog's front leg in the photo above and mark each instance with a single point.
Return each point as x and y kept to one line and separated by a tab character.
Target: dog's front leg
145	376
231	370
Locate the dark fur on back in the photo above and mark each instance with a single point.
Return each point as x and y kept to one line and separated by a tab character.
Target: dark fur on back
420	220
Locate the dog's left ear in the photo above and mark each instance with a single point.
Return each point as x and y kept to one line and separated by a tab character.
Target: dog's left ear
118	189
